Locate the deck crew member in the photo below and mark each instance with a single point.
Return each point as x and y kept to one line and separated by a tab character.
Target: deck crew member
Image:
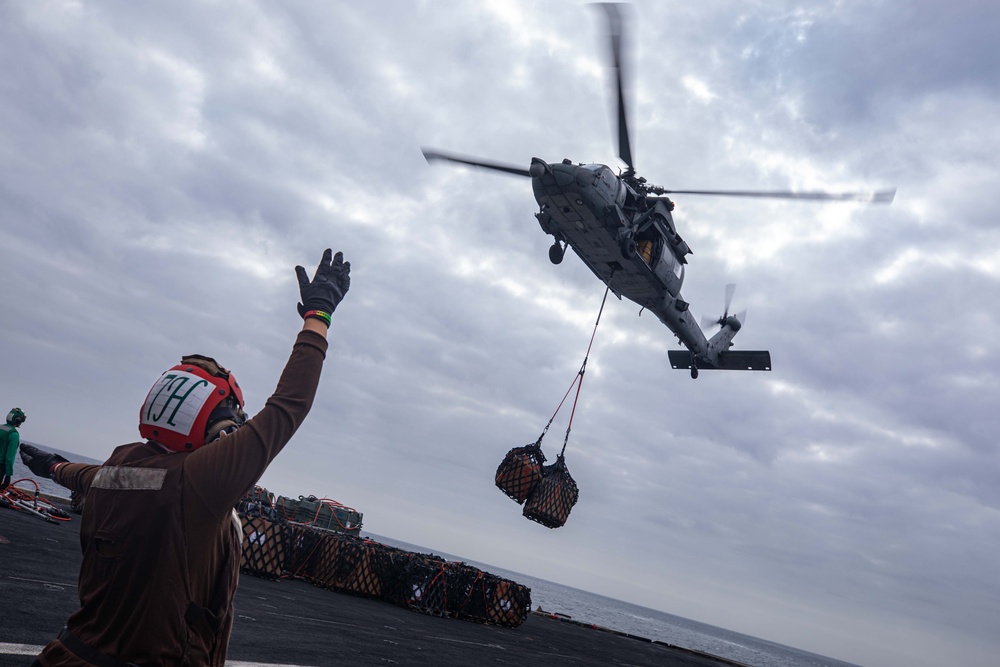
9	440
161	542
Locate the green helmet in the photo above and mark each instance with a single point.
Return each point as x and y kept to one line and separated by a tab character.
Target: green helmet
16	417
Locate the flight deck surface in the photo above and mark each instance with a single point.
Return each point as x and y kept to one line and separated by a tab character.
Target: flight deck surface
290	622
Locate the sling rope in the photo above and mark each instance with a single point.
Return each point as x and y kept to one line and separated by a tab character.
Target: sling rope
578	379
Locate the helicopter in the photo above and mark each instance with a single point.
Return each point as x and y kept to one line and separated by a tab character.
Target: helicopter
622	229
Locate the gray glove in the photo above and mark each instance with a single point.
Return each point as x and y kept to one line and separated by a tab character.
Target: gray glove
328	286
39	462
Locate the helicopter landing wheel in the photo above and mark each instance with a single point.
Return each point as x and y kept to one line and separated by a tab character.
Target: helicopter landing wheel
629	247
694	372
556	253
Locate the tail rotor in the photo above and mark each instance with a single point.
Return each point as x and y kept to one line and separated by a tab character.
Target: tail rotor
734	321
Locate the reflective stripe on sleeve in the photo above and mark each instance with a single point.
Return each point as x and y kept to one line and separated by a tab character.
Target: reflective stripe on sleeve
129	479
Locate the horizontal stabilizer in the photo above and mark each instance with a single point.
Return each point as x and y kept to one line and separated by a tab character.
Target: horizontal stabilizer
730	360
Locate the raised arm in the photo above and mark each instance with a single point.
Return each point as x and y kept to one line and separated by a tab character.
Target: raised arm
221	472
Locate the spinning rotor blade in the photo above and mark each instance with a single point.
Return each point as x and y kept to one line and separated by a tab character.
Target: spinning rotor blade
707	322
431	154
615	30
877	197
730	290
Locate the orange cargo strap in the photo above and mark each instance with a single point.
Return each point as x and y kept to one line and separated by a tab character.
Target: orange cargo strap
578	380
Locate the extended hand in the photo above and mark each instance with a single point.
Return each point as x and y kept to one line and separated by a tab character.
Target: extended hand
330	283
39	462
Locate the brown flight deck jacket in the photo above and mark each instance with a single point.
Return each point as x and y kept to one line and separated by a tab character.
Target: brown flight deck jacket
161	543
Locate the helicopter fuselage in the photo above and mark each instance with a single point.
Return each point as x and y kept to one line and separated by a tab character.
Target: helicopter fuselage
628	241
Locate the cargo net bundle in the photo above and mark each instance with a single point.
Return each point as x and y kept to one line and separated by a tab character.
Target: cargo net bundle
258	502
280	549
548	493
321	513
435	586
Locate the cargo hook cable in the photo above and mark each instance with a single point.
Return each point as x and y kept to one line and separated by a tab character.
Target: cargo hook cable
578	380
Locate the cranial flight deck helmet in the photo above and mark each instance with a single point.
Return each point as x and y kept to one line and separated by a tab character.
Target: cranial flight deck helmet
192	404
16	417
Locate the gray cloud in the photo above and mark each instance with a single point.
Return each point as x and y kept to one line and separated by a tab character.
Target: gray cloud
166	165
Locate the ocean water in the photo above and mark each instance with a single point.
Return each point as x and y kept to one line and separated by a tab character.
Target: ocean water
643	622
589	607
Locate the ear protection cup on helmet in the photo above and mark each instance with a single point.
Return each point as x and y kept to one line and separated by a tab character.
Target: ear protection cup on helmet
224	419
16	417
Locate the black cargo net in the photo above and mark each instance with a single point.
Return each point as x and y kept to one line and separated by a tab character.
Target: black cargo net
303	550
435	586
264	547
520	471
353	565
281	549
554	497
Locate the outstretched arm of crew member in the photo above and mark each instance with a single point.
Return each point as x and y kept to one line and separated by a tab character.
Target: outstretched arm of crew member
40	462
74	476
220	473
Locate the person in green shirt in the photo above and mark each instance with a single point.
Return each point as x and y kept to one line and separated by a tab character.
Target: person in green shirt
9	440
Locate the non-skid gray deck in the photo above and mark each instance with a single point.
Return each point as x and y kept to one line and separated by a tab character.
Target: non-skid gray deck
294	623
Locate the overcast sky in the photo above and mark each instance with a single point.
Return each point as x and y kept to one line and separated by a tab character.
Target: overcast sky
165	165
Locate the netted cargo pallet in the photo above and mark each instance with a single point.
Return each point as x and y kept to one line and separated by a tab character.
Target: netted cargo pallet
422	586
322	567
434	586
264	547
356	566
303	550
320	513
508	604
520	472
258	502
553	499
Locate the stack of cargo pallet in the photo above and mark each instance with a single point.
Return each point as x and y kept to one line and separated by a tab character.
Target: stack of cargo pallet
347	563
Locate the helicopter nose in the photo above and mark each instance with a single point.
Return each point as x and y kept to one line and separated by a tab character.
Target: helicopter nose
538	168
